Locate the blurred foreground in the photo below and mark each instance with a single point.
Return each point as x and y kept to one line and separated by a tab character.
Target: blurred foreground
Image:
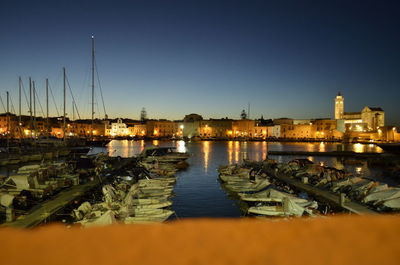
332	240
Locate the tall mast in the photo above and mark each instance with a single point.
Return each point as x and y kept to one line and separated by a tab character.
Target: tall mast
34	106
19	100
91	129
8	111
47	105
30	106
8	121
65	102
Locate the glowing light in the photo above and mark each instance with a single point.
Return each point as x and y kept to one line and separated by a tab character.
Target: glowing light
180	146
206	150
182	126
358	148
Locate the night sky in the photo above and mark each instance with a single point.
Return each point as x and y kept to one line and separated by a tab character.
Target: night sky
288	59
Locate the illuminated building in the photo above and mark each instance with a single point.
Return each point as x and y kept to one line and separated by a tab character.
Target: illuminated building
339	106
369	119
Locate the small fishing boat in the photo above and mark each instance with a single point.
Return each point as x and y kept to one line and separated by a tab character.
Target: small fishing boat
150	218
248	186
287	208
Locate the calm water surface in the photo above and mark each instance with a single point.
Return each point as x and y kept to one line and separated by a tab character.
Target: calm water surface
198	192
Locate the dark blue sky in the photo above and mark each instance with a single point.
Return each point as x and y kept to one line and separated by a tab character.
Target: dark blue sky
287	59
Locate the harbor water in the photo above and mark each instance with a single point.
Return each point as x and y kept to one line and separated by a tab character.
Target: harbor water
198	192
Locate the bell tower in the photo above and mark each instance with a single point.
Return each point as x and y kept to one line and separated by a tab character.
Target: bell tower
339	106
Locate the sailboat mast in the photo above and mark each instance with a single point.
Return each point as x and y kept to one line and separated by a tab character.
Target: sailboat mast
34	106
91	129
8	111
30	107
65	102
47	105
8	121
19	100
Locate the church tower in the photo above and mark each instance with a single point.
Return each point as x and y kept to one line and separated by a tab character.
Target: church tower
339	106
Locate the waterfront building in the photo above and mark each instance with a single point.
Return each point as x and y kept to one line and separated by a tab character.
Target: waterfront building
326	128
161	128
276	131
8	124
243	128
368	119
216	128
297	131
117	129
81	128
191	125
373	117
137	130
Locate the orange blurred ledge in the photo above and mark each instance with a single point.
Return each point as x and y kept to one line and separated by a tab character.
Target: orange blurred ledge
334	240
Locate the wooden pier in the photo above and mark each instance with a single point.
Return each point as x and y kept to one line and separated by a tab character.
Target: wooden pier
45	210
41	212
324	195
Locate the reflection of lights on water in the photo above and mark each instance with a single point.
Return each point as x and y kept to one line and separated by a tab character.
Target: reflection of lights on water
264	150
155	142
322	163
236	156
230	151
310	147
358	170
237	145
322	147
180	146
358	148
142	144
310	158
206	151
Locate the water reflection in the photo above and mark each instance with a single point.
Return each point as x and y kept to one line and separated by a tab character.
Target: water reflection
322	147
206	152
180	146
264	150
359	148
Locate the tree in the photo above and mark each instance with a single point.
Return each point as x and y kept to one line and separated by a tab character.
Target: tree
143	115
243	115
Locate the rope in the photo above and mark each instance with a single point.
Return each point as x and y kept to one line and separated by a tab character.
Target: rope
101	90
2	103
26	97
54	101
73	100
40	104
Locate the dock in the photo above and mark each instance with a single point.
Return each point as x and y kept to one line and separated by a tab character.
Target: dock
332	153
42	211
45	210
324	195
